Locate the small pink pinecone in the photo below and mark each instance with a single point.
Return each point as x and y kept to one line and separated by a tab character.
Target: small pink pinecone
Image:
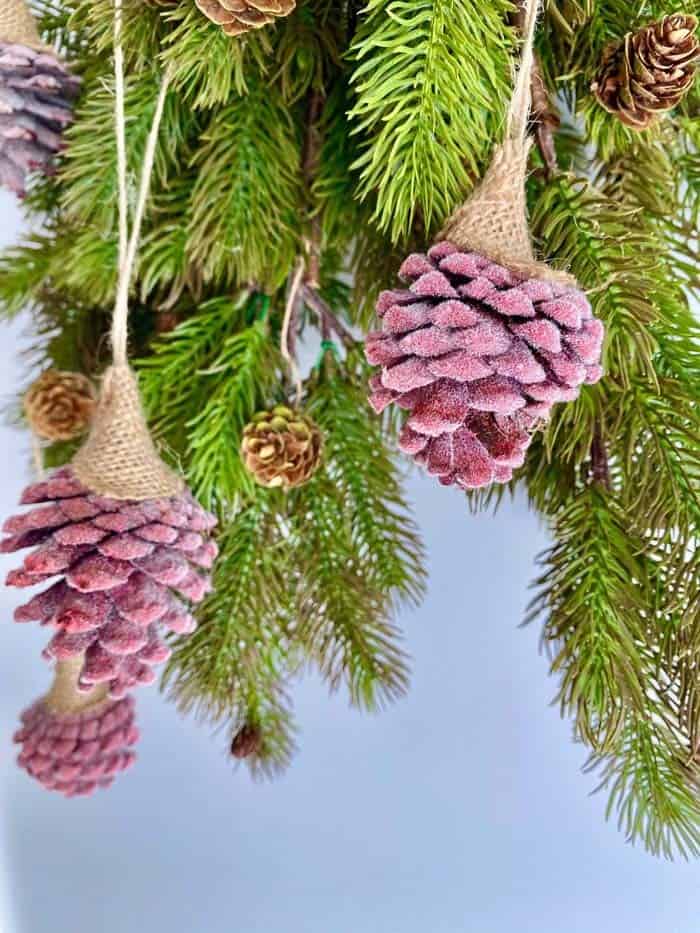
478	355
36	91
125	569
76	754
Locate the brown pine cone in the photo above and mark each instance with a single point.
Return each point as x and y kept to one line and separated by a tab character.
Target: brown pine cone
59	405
650	72
239	16
281	447
246	742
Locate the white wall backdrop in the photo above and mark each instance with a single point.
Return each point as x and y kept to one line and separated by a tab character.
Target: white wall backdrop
460	809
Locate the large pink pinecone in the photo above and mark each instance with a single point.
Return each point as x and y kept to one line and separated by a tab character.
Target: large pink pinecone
76	754
36	92
478	355
125	569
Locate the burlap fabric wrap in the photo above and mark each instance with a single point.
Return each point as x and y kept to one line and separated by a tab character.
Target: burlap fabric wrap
64	698
494	222
17	25
119	458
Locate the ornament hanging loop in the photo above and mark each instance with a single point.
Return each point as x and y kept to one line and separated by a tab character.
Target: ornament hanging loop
493	221
119	458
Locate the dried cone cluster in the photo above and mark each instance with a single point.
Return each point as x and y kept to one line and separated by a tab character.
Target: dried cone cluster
240	16
650	72
36	92
281	447
75	754
478	355
127	570
59	405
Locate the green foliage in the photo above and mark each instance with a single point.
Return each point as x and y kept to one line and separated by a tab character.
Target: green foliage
430	80
247	178
349	135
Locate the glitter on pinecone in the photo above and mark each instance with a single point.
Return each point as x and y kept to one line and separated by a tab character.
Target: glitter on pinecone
478	355
650	72
246	742
60	405
282	447
125	568
237	17
76	754
36	91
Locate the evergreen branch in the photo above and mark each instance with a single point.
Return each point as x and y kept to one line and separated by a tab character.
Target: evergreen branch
235	661
343	623
652	788
430	79
248	178
593	589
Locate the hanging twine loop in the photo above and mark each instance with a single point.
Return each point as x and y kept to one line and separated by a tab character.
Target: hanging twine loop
286	335
18	26
119	458
493	221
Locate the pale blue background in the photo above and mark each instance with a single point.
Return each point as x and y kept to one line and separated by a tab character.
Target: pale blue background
461	809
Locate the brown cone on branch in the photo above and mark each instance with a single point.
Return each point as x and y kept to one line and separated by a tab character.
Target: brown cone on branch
246	742
237	17
650	71
59	405
281	447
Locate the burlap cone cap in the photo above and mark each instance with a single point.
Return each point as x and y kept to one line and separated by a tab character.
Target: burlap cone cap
119	458
17	25
494	221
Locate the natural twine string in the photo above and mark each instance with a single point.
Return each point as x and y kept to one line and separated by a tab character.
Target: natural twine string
292	299
119	458
37	456
17	25
493	221
64	698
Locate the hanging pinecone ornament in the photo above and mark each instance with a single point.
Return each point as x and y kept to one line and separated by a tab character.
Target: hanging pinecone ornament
282	447
650	71
129	545
59	405
73	742
36	94
485	339
237	17
478	355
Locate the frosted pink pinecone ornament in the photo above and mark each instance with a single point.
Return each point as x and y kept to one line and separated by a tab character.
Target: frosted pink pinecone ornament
36	96
77	753
485	339
128	571
478	355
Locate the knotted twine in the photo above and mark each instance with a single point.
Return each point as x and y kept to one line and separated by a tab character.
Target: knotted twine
493	221
119	458
18	26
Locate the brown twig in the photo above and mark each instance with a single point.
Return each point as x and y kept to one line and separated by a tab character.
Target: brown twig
317	304
543	114
546	120
600	467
